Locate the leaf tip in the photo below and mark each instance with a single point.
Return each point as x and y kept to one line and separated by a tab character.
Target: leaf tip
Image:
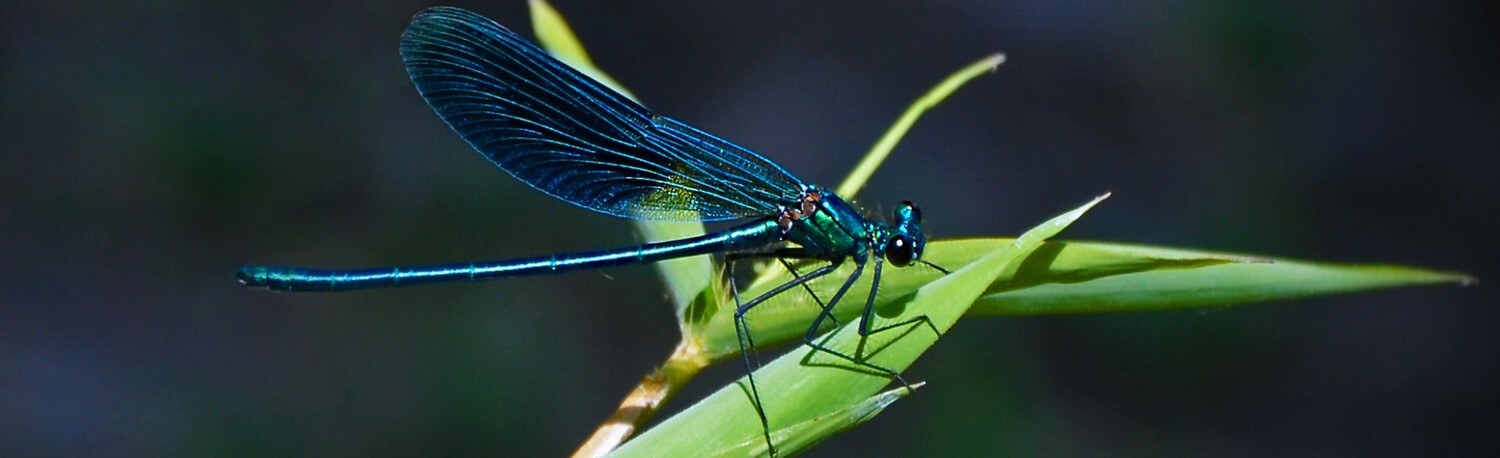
1088	206
1253	260
880	401
994	61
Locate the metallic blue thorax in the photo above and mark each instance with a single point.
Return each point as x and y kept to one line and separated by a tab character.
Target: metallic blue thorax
832	228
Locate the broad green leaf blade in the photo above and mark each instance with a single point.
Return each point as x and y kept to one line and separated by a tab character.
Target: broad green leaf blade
1086	277
802	436
887	142
688	279
1080	277
804	384
1096	277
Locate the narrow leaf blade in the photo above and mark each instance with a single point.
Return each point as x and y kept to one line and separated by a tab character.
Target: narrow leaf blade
882	149
802	436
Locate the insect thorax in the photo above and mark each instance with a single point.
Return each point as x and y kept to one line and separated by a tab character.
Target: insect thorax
825	225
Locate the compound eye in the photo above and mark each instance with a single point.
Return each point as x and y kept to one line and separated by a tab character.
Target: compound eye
899	251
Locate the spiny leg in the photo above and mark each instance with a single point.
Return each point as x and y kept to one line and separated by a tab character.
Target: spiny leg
754	360
827	312
811	337
868	317
751	362
742	335
869	313
808	288
934	266
781	256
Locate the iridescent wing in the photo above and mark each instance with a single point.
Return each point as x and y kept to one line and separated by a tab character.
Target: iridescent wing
565	134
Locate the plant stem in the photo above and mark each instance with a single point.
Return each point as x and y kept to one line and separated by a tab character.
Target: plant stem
654	390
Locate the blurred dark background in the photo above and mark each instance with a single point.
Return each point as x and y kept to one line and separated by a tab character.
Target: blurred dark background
149	147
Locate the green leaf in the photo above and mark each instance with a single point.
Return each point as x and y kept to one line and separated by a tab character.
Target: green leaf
690	280
804	384
1091	277
1077	277
932	98
802	436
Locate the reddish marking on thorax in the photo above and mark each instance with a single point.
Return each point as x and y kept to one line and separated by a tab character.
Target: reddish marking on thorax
789	215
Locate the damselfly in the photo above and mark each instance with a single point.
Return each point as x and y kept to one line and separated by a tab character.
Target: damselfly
565	134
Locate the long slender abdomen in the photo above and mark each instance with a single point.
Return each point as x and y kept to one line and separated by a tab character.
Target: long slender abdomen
742	238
